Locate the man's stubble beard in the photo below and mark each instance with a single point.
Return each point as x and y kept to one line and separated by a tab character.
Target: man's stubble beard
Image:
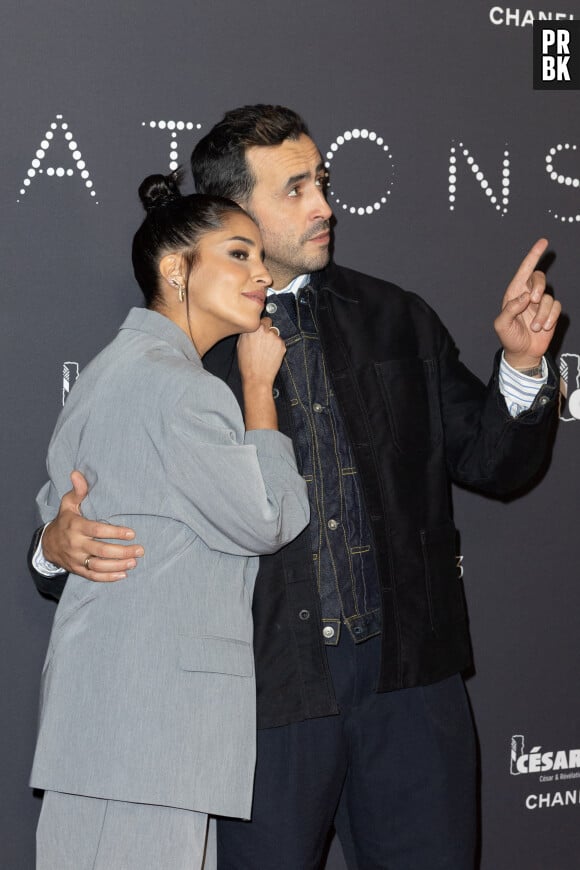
295	261
288	260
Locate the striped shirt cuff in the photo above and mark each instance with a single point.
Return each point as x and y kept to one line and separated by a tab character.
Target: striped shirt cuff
519	390
42	565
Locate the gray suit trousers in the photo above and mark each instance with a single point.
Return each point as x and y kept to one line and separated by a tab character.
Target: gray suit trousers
84	833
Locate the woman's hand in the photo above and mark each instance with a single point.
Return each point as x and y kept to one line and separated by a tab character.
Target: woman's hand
260	356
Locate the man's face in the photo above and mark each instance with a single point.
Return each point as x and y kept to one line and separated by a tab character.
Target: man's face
289	205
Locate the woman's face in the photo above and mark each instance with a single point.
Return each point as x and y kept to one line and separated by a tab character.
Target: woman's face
227	284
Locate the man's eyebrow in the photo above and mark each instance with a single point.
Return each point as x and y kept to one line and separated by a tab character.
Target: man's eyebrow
294	179
303	176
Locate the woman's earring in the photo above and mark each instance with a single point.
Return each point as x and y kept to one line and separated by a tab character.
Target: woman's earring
180	290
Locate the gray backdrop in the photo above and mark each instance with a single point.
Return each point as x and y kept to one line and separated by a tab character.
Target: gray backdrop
94	96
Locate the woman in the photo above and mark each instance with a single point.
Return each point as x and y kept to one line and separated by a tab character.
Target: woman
147	709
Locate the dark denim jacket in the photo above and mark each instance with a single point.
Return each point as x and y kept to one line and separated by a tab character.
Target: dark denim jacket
341	542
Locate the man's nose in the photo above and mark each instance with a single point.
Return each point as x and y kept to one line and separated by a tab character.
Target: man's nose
322	208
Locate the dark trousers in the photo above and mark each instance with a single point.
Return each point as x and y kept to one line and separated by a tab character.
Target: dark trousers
395	773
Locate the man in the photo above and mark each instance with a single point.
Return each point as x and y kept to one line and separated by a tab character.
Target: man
360	626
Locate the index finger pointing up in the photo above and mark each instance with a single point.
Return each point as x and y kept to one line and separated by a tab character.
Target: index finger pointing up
530	261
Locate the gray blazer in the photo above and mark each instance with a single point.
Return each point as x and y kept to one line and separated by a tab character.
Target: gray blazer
148	691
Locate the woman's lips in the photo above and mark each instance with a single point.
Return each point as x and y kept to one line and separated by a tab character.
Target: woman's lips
256	296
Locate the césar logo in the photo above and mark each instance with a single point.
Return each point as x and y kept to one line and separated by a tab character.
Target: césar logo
537	761
569	387
70	372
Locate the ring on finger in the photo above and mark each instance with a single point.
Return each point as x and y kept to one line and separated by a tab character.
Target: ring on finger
86	563
274	329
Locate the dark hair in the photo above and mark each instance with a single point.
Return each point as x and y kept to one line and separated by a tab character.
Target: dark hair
218	161
174	223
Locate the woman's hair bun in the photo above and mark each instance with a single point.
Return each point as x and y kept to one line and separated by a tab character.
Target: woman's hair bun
157	191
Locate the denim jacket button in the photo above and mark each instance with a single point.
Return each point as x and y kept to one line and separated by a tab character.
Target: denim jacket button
317	407
328	631
304	615
275	392
332	525
271	308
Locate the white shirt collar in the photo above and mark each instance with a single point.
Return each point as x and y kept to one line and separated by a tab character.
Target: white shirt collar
293	287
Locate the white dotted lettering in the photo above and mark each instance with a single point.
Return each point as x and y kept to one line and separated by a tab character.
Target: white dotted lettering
370	136
479	174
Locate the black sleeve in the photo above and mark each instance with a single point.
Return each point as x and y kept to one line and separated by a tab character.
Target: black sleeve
52	586
487	449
